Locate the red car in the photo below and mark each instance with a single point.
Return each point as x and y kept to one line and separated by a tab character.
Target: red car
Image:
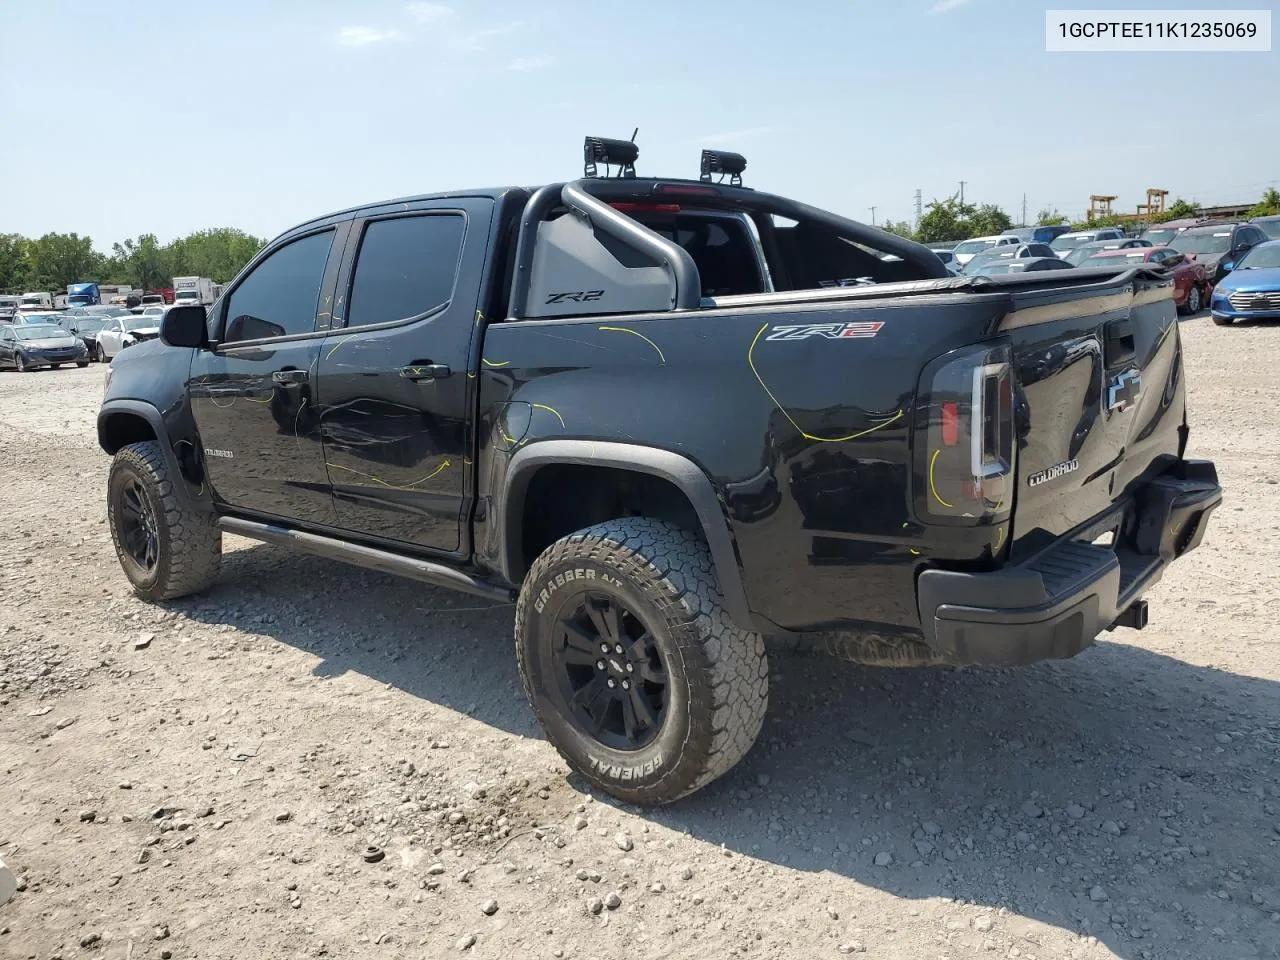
1190	287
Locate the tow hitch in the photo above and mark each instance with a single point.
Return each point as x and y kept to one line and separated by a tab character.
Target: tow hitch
1133	616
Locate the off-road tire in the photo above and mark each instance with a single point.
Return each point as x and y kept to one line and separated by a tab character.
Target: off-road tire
717	673
189	553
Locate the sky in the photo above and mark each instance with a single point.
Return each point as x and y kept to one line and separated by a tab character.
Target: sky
123	117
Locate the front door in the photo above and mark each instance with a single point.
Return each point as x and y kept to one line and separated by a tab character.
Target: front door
253	395
394	372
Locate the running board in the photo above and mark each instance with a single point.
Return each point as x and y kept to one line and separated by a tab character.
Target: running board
361	556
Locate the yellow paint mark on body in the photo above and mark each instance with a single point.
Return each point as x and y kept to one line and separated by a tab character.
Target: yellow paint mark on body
636	333
392	486
808	436
933	488
490	363
552	410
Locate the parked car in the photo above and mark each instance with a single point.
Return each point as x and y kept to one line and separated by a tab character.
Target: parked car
1251	290
1040	234
1007	251
122	332
1161	233
1269	225
87	329
26	347
1190	288
8	307
947	257
1067	242
1077	255
966	250
1218	246
509	426
104	310
994	268
38	317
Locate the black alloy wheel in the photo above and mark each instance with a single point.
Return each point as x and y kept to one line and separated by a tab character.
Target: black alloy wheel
139	535
611	672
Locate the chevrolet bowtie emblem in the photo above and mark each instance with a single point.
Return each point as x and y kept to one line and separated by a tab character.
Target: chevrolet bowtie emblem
1124	389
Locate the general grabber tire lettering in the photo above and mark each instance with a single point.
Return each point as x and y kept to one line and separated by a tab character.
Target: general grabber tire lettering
167	550
633	605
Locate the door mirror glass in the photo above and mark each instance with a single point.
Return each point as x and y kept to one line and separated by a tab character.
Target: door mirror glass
185	327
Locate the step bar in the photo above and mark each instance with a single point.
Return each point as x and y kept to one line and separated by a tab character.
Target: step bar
370	558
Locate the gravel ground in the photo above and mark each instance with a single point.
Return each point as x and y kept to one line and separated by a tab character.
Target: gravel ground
205	779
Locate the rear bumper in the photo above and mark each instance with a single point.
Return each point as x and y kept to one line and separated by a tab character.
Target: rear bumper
1055	604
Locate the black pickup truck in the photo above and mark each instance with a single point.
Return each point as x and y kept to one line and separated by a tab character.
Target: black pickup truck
669	418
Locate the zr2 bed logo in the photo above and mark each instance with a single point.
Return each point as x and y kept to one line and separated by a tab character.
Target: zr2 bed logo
828	331
575	296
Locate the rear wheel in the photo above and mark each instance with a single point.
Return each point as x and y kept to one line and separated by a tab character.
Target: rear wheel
633	667
1193	304
166	549
55	366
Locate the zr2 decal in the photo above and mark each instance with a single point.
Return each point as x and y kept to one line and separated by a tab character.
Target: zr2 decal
576	296
829	331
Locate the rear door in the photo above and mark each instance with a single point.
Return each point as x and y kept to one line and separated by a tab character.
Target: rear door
1099	401
393	372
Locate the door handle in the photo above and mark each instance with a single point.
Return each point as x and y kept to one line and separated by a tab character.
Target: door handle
425	371
1119	341
286	377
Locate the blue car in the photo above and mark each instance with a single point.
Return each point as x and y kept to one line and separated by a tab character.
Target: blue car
1251	291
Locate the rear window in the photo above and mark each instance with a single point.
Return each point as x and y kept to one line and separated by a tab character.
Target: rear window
722	248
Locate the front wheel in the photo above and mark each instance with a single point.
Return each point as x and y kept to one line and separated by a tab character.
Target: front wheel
1222	321
55	366
95	353
166	548
82	364
633	667
20	364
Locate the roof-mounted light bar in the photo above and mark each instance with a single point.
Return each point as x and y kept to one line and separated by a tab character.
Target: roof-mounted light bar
724	163
612	153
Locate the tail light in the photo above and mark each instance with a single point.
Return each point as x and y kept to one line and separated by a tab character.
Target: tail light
965	437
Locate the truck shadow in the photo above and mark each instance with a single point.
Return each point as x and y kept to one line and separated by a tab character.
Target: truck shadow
1123	774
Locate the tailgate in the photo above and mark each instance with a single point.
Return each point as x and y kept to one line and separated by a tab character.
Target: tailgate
1100	399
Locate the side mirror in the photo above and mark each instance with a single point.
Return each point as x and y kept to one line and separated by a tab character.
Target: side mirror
1228	266
185	327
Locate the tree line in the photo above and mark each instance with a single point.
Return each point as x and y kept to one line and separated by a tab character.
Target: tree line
57	259
948	220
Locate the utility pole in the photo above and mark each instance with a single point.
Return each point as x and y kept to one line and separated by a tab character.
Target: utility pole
1024	209
873	216
962	183
919	210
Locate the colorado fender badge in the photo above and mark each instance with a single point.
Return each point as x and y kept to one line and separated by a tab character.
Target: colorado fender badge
1053	473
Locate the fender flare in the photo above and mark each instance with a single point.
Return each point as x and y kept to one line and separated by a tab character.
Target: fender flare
149	413
672	467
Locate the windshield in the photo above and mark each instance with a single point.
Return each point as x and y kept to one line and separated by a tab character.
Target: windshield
43	331
1270	227
973	246
89	324
140	323
1160	236
1068	242
40	318
1202	242
1262	257
107	312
